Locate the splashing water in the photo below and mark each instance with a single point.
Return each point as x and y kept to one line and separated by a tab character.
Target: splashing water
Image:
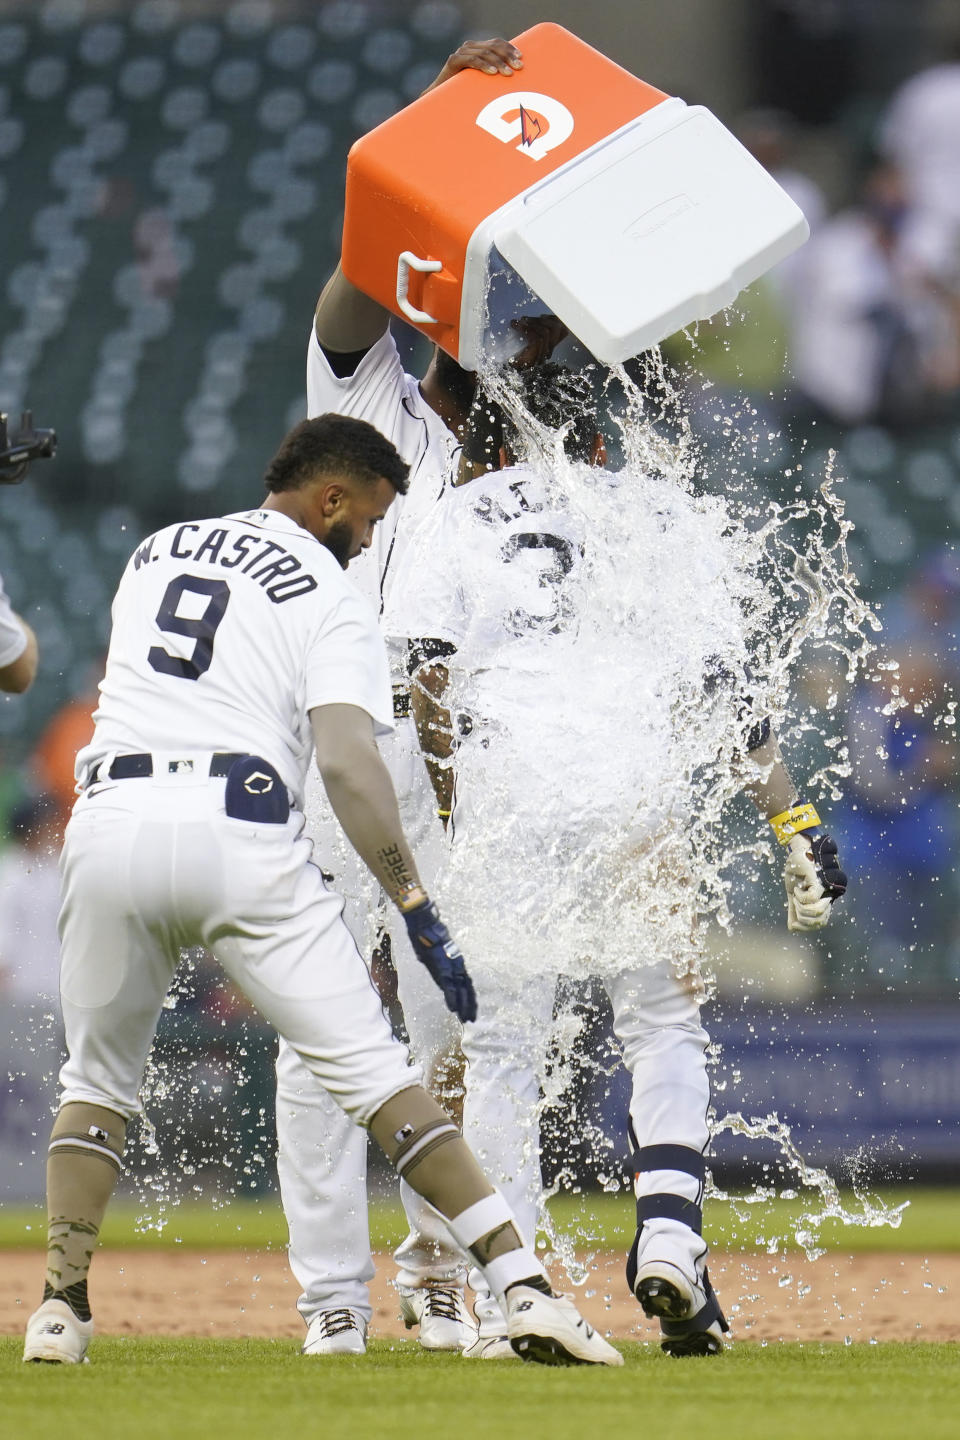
595	814
872	1212
198	1124
592	794
607	740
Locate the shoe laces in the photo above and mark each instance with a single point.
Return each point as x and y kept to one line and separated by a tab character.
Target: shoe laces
336	1322
444	1304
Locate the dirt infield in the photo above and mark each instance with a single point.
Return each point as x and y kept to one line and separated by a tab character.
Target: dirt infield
252	1293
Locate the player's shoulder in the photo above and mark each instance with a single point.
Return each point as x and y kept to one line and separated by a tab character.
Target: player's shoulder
379	371
275	529
382	355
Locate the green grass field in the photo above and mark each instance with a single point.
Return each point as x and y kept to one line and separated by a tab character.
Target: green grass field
930	1224
260	1389
154	1389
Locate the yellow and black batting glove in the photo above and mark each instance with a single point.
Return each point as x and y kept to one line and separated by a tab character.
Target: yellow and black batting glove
812	876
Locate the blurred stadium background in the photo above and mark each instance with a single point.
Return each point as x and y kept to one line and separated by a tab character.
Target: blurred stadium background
171	174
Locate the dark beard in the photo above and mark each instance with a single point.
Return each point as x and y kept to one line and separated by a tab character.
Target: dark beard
338	540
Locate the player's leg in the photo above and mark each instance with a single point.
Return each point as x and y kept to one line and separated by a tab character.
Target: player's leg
319	1185
321	1155
322	1168
431	1270
115	970
304	973
506	1050
428	1151
657	1021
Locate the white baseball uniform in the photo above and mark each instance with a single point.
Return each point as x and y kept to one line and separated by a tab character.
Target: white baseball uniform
226	633
13	637
555	760
329	1235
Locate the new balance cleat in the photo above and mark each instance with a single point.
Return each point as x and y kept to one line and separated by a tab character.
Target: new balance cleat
56	1337
441	1312
336	1332
490	1347
550	1330
492	1342
691	1321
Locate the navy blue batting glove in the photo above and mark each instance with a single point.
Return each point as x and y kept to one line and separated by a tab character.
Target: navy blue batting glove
813	879
433	946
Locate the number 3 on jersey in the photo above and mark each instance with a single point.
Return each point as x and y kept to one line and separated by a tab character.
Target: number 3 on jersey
201	628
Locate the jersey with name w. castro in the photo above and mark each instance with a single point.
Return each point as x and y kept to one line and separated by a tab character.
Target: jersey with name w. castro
226	634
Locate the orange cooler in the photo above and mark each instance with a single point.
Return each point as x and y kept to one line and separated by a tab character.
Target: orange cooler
570	186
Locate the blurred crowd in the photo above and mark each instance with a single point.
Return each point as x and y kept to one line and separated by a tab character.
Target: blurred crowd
862	325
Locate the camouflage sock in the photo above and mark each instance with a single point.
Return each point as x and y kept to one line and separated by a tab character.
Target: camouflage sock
83	1163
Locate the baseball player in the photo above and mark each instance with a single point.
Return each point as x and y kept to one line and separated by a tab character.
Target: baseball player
239	647
546	827
18	649
353	368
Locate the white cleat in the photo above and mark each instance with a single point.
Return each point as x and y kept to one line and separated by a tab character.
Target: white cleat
56	1337
492	1342
490	1347
550	1330
441	1313
336	1332
691	1321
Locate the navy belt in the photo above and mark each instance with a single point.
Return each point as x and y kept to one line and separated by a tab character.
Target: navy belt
140	767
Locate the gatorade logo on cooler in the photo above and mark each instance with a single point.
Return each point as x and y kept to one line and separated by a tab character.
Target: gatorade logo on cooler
539	122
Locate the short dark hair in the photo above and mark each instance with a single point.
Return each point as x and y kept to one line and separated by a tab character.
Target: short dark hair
557	396
340	445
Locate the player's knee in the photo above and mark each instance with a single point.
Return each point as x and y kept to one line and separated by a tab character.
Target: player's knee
410	1127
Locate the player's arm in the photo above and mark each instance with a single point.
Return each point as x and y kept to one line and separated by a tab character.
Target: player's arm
362	796
347	321
429	678
19	675
812	875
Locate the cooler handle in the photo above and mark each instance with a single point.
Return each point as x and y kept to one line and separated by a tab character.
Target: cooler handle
407	262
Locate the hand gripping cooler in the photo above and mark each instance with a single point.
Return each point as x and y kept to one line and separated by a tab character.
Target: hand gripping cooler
625	211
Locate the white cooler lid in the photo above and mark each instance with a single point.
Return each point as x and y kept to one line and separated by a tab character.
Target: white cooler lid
661	224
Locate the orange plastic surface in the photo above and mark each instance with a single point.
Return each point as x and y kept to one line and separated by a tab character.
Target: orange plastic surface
427	177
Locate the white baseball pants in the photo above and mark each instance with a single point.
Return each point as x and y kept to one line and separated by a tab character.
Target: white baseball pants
153	865
328	1225
657	1022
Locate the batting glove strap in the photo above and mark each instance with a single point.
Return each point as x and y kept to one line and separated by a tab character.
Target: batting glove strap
791	822
433	946
813	879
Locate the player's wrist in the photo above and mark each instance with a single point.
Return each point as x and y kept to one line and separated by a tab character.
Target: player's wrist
411	897
794	821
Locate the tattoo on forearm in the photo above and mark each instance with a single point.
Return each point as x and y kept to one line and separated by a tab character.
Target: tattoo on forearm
393	861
